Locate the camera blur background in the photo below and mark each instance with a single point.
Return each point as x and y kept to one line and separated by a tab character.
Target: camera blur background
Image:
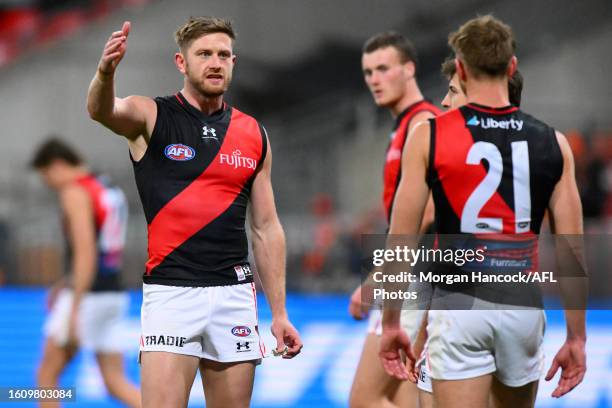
298	72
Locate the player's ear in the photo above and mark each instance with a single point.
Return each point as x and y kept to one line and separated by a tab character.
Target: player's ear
179	60
234	56
461	72
410	69
512	66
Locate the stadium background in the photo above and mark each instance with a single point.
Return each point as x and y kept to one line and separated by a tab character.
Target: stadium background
298	71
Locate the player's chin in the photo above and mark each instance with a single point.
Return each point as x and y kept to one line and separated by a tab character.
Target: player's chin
213	91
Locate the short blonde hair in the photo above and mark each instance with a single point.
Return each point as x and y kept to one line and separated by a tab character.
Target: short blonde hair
485	44
197	27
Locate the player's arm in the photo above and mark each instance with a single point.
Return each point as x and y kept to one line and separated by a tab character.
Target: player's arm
409	206
78	210
566	219
268	240
132	117
429	214
361	297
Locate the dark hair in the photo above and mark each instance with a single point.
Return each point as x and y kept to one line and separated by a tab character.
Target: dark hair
515	82
197	27
485	44
54	149
404	47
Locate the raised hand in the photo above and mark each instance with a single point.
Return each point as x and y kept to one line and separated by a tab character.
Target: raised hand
114	50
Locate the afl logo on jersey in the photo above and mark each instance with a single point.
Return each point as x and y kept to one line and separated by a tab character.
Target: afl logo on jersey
179	152
241	331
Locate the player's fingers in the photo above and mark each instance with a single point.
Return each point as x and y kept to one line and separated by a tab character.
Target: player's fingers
116	34
112	45
126	28
552	370
111	57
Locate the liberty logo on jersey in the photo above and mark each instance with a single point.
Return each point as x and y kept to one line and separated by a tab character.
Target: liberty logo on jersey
490	123
236	160
179	152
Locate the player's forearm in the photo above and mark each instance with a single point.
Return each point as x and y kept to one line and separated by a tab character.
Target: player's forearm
391	317
83	276
101	96
269	251
576	325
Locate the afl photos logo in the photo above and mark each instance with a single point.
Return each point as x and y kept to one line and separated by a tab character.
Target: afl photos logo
179	152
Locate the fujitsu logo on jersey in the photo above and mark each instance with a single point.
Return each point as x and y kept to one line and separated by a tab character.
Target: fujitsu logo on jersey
236	160
179	152
490	123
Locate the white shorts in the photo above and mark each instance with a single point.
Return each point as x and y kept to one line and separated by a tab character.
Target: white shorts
100	320
216	323
424	380
469	343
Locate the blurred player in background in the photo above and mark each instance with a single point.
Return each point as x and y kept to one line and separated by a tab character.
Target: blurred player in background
472	354
87	306
389	65
199	163
455	97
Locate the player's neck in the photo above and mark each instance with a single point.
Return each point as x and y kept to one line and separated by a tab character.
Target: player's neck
411	96
206	104
493	94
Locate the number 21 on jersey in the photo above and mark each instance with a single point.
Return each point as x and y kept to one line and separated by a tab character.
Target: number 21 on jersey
471	222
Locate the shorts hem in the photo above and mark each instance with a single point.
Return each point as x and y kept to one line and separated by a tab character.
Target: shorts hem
236	359
462	375
518	383
181	352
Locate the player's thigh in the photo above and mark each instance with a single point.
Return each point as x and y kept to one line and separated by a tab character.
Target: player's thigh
166	378
503	396
227	384
472	392
372	384
426	399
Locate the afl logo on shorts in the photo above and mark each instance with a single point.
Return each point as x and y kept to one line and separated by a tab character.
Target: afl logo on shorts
179	152
241	331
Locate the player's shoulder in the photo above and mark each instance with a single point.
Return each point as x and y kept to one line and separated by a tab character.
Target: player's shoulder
532	121
428	106
74	194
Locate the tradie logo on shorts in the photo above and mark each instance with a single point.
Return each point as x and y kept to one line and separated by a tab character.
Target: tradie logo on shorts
161	340
490	123
236	160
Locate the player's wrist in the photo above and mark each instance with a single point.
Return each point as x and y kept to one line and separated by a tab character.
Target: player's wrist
104	75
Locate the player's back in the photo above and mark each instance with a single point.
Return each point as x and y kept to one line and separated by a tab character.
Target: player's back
492	170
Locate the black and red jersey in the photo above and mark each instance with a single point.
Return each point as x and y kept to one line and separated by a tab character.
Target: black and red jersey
195	182
492	170
110	220
393	160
